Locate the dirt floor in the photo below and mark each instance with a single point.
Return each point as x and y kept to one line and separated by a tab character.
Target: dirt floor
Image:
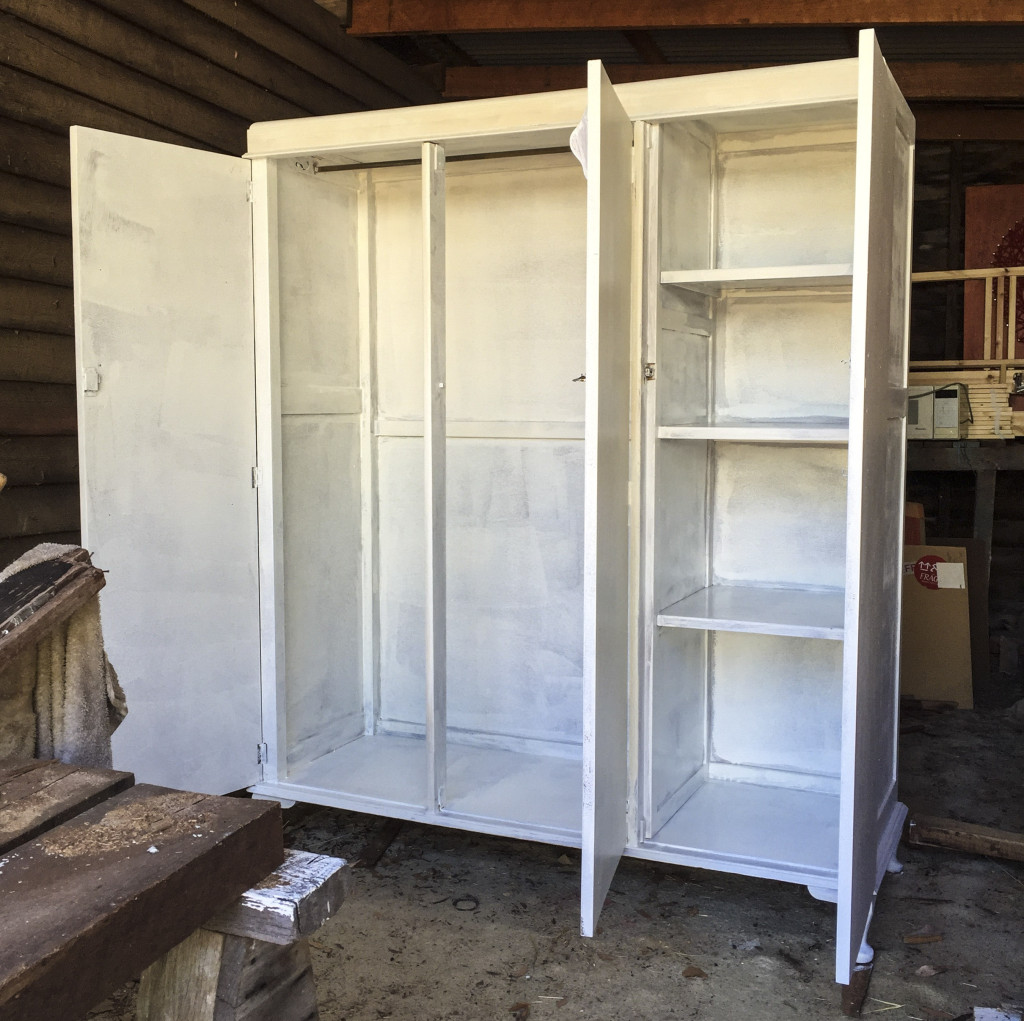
452	925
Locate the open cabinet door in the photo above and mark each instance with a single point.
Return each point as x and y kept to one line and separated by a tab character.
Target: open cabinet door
164	327
606	556
870	816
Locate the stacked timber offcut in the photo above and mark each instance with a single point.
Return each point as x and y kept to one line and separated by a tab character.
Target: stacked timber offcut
990	416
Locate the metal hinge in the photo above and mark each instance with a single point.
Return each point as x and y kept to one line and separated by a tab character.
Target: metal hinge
248	191
262	755
648	370
90	380
257	477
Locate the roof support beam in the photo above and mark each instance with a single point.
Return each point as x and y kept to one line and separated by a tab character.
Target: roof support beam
399	17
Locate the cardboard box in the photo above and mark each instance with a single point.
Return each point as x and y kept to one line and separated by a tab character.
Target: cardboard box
935	656
913	525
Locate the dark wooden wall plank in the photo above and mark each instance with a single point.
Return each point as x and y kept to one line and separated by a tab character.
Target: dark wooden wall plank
175	22
36	409
31	152
59	62
136	48
26	305
23	97
34	357
29	203
39	460
35	255
252	22
314	22
36	510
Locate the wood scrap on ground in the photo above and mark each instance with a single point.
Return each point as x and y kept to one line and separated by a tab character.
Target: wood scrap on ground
930	831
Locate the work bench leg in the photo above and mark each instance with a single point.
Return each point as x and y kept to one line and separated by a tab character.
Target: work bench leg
214	977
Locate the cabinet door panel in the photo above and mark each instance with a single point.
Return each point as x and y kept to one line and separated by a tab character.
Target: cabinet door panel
164	323
606	554
870	816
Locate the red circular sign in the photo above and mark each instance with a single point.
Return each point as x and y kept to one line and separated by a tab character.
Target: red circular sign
924	570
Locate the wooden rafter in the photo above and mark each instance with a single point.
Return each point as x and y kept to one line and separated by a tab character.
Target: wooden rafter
391	17
928	81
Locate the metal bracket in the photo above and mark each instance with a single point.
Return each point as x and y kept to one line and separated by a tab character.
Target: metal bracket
262	754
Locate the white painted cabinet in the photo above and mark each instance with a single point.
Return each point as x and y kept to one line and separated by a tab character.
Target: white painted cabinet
438	480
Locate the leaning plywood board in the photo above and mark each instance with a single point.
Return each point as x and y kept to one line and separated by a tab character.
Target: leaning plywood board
606	454
164	328
870	816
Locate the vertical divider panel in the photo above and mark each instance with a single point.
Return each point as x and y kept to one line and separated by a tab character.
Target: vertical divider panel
649	186
366	230
433	210
268	450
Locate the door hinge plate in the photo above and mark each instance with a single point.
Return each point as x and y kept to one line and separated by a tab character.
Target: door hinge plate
257	477
262	755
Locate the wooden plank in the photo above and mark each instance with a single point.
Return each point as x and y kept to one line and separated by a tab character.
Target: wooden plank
71	66
189	28
325	29
36	409
432	198
23	97
608	167
931	831
35	510
212	977
35	255
441	17
39	460
277	37
34	204
159	862
291	903
113	37
34	357
934	80
37	795
29	151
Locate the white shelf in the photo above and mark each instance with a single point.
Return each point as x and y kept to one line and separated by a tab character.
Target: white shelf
822	433
757	609
512	793
715	281
774	832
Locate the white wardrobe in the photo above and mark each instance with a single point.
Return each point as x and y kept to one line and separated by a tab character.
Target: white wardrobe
443	477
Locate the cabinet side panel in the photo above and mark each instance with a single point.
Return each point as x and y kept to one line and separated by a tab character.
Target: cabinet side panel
685	203
321	405
164	317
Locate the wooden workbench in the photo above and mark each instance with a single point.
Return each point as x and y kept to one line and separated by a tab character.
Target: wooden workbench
99	878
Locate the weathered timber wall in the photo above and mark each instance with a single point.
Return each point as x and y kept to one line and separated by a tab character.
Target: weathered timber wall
194	72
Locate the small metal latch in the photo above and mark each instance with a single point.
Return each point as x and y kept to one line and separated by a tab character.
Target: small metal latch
581	378
649	370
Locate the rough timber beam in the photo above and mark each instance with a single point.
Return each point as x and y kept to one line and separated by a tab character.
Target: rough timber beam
928	81
398	17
